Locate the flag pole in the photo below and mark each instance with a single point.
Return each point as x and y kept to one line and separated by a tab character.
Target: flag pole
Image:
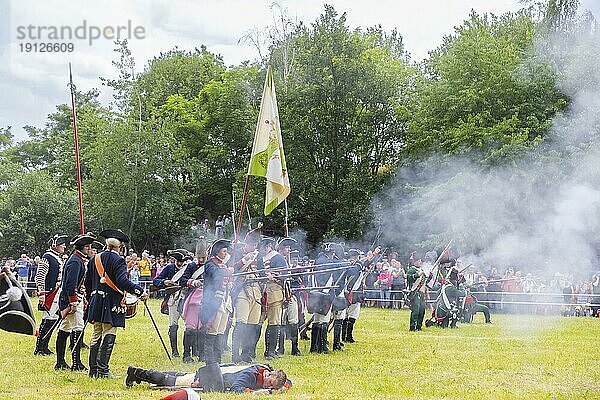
77	163
233	210
239	226
285	221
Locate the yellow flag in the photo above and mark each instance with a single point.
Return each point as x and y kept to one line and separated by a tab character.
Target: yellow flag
267	157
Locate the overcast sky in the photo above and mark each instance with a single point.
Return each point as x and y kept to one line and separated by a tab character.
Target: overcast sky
33	83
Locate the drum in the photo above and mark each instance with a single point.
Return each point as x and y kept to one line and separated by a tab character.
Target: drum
130	305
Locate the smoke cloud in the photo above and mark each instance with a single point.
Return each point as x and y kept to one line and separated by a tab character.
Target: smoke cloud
540	214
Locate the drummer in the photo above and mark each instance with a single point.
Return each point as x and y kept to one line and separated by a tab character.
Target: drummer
105	282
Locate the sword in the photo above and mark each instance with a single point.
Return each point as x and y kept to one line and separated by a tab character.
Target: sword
158	332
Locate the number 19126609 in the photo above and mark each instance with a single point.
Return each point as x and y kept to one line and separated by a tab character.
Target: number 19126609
46	47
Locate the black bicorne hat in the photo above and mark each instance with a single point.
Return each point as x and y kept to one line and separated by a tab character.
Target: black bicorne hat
97	245
353	253
286	241
218	245
180	254
116	234
57	240
267	241
16	312
83	240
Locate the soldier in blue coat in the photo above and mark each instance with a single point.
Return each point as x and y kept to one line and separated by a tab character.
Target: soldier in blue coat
47	281
216	300
269	261
327	259
169	277
71	303
257	379
106	283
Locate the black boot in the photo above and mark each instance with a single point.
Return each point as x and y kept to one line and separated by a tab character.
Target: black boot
281	341
237	338
246	339
139	375
209	349
104	353
201	337
345	330
173	340
315	338
188	340
41	344
293	334
61	348
271	339
220	345
323	337
337	335
194	336
93	359
350	330
255	338
77	341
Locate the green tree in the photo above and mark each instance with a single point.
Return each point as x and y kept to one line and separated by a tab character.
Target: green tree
344	114
486	95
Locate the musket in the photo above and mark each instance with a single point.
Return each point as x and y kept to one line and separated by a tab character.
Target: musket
306	324
168	289
264	270
158	332
324	271
504	279
315	288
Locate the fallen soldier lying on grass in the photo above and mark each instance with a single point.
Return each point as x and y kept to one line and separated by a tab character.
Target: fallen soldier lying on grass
258	379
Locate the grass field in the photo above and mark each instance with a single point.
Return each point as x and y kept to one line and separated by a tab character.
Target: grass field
517	357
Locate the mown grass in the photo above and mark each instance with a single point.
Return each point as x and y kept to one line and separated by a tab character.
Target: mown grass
517	357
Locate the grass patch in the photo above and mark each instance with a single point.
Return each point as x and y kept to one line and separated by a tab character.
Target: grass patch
517	357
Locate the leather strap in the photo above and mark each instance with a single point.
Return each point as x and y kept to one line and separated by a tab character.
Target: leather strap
102	274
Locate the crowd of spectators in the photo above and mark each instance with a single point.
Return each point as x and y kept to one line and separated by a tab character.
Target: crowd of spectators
512	291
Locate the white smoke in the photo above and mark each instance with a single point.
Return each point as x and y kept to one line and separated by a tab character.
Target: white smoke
543	212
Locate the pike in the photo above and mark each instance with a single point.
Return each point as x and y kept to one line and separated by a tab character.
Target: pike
72	86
